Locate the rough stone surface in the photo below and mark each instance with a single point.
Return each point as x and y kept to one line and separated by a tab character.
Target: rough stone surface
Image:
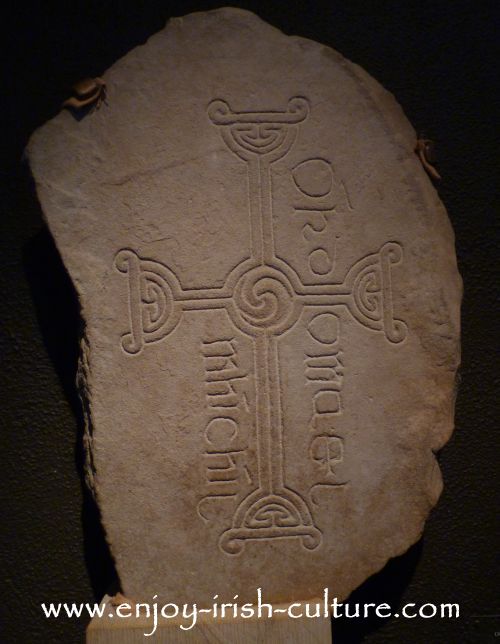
271	304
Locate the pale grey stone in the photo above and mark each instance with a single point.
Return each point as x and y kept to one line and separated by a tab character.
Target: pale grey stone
271	303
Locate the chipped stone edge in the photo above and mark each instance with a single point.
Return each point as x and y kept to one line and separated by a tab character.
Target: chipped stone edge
82	385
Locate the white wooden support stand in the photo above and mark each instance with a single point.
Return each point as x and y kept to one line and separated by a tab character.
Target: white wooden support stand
279	629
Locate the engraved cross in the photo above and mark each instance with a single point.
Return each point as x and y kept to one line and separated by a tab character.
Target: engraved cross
264	297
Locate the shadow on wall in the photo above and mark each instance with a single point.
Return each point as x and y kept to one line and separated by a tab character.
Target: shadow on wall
57	311
387	586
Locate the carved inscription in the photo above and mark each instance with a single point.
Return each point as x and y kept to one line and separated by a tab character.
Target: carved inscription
324	372
313	179
225	439
264	298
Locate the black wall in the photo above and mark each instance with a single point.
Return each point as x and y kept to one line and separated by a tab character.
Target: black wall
439	60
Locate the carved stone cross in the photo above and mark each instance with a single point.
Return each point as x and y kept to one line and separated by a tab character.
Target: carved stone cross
264	298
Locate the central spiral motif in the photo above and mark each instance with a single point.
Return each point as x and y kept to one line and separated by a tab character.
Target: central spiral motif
264	301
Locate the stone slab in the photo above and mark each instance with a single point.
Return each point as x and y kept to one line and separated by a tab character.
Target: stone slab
271	303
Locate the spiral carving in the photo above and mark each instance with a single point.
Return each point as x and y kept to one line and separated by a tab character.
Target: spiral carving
264	300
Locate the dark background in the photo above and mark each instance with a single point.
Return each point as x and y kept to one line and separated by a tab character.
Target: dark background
440	61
